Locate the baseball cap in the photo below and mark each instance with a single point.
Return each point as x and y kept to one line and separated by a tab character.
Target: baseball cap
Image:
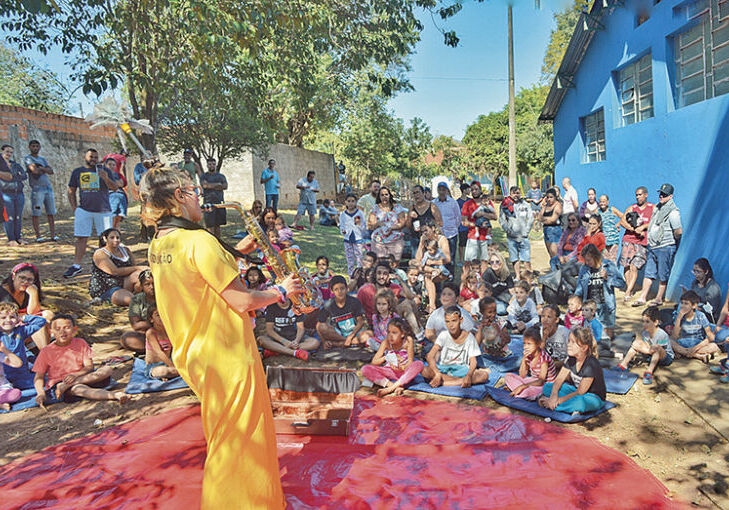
666	189
187	151
475	182
443	184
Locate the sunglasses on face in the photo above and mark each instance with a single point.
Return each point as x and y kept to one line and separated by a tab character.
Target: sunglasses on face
662	195
191	190
495	262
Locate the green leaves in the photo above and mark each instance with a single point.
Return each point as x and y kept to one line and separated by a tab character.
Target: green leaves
22	83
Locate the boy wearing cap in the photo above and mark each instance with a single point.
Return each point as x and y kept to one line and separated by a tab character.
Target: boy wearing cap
664	235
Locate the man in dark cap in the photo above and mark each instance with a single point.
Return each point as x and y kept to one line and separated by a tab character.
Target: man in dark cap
664	235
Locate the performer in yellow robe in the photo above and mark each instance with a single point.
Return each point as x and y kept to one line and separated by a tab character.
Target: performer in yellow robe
204	306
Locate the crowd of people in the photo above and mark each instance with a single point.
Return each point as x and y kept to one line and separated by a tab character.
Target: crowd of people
428	290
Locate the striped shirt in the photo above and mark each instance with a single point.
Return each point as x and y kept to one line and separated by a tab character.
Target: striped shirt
535	366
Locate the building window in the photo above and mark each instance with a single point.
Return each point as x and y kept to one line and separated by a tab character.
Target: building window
702	53
636	91
594	136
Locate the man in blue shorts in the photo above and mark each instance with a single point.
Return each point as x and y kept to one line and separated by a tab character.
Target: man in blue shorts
41	191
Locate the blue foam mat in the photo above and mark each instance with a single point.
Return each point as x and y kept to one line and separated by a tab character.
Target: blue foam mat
618	382
503	397
27	399
475	392
139	383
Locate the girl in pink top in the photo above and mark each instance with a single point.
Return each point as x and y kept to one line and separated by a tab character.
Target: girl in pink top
394	364
537	368
385	304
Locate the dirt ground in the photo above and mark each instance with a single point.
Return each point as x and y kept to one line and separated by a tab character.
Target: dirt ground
652	425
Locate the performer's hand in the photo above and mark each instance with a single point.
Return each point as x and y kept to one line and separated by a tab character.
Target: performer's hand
292	284
247	244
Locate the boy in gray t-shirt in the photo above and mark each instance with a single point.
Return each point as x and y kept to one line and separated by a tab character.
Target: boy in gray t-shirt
41	191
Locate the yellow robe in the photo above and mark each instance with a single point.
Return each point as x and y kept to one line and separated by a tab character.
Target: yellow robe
215	352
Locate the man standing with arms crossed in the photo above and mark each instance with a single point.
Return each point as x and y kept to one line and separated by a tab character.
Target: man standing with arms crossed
41	191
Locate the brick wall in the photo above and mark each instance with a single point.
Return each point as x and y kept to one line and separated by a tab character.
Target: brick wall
63	139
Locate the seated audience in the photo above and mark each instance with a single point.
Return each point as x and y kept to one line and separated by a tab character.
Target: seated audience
394	364
341	319
706	288
138	307
415	284
328	215
322	276
491	335
436	321
692	336
571	238
469	289
554	334
452	360
385	304
597	280
285	234
536	293
14	333
8	394
574	317
158	349
285	332
522	311
65	368
593	236
358	278
499	276
114	276
484	290
589	313
653	343
23	288
536	369
406	307
579	386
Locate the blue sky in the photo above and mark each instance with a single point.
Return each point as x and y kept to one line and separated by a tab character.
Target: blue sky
453	86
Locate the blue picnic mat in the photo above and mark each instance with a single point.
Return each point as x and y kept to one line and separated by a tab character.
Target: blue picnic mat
618	381
475	392
139	383
27	399
503	397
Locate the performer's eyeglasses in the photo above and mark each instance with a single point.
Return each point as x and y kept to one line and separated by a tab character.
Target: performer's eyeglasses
191	190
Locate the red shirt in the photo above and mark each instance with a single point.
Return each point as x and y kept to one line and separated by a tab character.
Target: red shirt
467	294
57	362
366	296
480	233
645	218
598	239
120	160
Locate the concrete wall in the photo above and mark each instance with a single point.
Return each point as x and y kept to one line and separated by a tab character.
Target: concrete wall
63	139
292	163
687	147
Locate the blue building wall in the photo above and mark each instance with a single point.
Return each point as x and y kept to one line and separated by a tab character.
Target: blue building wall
688	147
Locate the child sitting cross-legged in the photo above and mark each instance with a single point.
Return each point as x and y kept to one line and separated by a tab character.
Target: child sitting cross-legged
491	335
452	360
692	336
285	333
522	311
574	318
536	369
65	367
653	342
385	303
14	333
580	386
589	314
158	349
8	394
394	364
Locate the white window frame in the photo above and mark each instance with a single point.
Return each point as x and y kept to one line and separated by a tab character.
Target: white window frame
593	126
636	97
711	27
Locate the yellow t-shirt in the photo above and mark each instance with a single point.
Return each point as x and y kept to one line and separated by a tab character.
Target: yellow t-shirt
215	352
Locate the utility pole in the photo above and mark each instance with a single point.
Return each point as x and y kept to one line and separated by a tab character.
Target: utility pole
512	107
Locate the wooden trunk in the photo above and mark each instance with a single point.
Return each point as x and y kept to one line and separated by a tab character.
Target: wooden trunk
312	401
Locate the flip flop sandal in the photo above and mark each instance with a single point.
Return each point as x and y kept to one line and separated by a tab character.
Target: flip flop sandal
655	303
636	304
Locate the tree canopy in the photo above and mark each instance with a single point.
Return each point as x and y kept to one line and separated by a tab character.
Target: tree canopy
23	83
